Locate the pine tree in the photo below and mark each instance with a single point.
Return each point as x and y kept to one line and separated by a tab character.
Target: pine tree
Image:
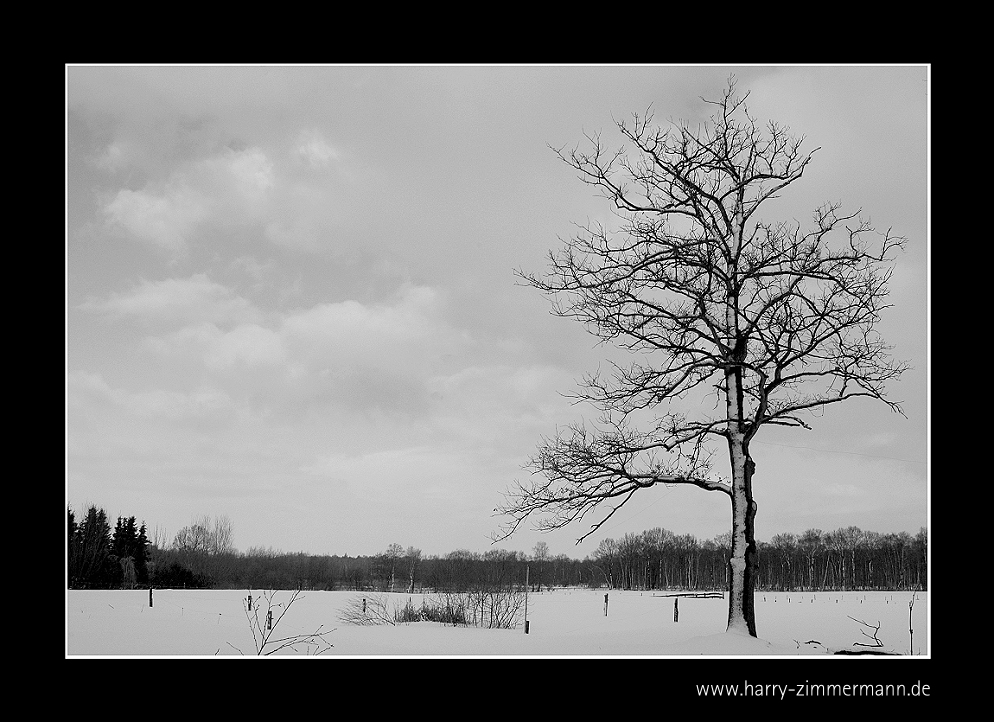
94	549
72	555
124	549
141	555
119	541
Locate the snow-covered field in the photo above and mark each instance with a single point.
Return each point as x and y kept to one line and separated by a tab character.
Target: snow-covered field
561	623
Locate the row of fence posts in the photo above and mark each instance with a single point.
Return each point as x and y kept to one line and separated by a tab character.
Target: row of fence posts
269	614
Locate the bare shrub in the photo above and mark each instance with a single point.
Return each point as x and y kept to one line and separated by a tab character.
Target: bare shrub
500	608
367	611
446	608
488	608
264	615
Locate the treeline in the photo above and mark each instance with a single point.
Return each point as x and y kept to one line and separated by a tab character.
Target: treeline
845	559
401	570
203	556
98	557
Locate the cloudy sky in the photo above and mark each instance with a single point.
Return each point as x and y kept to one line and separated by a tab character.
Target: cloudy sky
290	296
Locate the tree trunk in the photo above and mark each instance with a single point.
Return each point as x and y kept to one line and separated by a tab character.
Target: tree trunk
743	563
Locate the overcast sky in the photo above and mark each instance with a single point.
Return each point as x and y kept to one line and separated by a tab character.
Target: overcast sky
290	296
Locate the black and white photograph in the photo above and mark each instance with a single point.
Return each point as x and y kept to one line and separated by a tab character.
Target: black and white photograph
499	361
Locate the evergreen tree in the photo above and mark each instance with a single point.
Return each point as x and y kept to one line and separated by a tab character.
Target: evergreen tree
118	540
141	555
72	554
94	550
128	549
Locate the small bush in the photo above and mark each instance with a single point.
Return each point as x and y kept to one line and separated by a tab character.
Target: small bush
176	576
445	609
367	611
491	609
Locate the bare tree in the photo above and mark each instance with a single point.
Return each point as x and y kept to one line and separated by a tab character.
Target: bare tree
413	557
394	554
784	544
206	536
222	536
734	322
207	545
812	545
540	556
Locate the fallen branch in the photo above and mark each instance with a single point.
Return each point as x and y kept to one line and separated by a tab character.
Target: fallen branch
813	642
876	641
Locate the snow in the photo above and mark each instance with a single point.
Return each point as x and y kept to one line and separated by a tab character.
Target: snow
563	622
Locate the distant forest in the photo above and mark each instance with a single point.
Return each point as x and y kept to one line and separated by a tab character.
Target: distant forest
202	556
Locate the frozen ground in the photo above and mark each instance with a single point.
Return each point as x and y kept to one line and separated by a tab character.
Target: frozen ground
562	623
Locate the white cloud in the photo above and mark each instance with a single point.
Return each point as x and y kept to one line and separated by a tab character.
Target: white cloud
246	175
177	301
412	475
405	333
344	342
233	189
515	394
203	402
165	219
253	267
314	150
114	157
367	360
332	358
83	389
229	189
189	340
247	344
305	216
